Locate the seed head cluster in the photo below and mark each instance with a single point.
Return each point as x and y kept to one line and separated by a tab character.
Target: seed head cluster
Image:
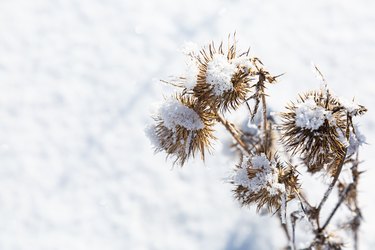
316	132
263	182
182	128
315	127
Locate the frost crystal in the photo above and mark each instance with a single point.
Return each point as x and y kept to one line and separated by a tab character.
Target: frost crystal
174	113
265	178
311	116
219	74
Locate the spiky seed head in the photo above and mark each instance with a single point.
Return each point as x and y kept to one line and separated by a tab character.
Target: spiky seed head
328	240
182	128
264	182
315	127
223	80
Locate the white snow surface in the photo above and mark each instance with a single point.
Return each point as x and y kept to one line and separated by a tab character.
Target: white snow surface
174	113
311	116
76	81
219	74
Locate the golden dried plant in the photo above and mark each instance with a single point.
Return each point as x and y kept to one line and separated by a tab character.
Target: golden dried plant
317	130
224	78
179	138
315	127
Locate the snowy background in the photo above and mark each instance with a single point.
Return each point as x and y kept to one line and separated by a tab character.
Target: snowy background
77	78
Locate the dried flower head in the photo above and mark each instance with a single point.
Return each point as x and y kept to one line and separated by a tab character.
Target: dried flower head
264	183
316	126
182	128
223	79
328	241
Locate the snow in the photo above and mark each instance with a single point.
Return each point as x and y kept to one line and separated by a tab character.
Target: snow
260	162
283	209
356	139
219	74
250	127
311	116
350	106
192	71
174	113
76	82
266	177
243	62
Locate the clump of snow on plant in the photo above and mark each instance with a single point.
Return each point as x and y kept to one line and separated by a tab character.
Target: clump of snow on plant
174	113
190	49
350	106
191	73
311	116
250	128
219	74
356	139
265	178
243	62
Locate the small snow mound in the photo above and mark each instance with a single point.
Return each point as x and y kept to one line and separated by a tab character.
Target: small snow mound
174	113
350	106
219	74
260	161
242	61
311	116
265	178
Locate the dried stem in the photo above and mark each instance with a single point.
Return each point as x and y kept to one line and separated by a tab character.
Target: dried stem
284	227
355	174
343	195
264	111
332	184
294	233
235	134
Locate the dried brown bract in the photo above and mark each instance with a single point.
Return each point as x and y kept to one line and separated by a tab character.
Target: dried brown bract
183	128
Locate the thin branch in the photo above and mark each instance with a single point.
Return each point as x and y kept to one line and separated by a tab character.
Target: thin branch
333	183
284	227
229	127
264	114
342	198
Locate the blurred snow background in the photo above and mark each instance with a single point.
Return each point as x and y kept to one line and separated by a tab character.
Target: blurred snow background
77	78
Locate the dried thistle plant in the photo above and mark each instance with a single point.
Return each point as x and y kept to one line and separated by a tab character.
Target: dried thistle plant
315	134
